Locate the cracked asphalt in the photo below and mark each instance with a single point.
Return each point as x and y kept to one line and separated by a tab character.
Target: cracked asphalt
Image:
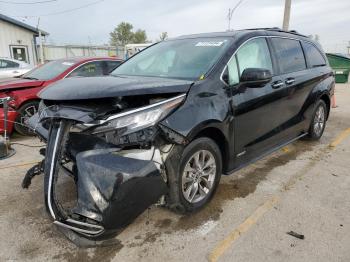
304	187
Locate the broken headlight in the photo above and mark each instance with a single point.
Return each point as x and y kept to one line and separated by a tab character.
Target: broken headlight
138	119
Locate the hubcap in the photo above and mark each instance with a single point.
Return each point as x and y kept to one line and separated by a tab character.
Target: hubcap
198	176
319	120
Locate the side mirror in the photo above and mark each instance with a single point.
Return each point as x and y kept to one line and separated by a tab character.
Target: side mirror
255	77
225	77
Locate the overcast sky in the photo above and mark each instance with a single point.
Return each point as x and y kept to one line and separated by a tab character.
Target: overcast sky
329	19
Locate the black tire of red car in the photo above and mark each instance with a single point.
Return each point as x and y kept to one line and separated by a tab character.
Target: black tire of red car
318	121
175	165
25	112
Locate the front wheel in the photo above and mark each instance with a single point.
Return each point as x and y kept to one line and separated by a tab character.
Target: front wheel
318	122
193	174
24	113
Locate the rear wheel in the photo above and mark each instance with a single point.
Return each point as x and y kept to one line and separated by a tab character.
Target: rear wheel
193	174
24	113
318	122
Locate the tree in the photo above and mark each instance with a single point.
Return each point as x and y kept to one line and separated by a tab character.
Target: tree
122	34
163	36
139	37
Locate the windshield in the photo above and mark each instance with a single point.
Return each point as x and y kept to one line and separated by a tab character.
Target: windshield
184	59
49	70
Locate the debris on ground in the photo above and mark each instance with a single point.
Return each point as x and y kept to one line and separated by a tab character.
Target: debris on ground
292	233
32	172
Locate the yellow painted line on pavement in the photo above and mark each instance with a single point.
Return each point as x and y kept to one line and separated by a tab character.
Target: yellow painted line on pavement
340	138
19	165
226	243
242	228
285	149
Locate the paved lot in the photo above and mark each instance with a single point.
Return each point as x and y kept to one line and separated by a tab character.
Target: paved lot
305	187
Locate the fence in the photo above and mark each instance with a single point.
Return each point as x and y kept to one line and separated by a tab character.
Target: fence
52	52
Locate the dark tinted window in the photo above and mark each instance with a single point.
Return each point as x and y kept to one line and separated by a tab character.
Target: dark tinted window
313	55
289	54
112	65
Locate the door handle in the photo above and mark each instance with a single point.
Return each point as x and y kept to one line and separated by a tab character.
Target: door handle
277	84
290	81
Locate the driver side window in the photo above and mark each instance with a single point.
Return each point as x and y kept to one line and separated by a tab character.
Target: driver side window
254	54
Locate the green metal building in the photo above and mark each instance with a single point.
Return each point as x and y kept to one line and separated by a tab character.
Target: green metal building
341	66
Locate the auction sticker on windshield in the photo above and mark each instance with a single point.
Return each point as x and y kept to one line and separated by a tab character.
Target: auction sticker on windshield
210	43
67	63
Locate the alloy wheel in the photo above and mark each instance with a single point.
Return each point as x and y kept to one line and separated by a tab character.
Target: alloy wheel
319	120
198	176
27	113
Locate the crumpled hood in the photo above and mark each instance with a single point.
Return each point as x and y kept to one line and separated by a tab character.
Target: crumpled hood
7	84
111	86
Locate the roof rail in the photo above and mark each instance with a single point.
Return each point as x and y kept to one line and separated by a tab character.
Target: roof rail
277	29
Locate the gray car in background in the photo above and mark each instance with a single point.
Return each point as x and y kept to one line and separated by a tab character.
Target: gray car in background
12	68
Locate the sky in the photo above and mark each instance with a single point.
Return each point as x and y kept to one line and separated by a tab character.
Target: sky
92	24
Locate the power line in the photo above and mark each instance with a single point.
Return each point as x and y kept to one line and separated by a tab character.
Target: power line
63	11
28	3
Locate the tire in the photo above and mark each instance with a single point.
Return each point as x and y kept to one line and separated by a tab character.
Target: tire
180	181
318	121
24	112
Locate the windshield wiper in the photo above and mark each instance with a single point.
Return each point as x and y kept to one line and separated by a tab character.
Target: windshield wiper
31	78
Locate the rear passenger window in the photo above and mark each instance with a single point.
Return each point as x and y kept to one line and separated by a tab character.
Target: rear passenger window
289	55
254	54
313	55
96	68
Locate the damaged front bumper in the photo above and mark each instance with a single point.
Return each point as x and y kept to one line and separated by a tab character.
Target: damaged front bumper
117	164
113	186
112	191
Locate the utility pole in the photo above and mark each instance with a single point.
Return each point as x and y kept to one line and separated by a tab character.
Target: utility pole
40	44
229	16
286	16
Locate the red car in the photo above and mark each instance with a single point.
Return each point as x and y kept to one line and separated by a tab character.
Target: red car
23	90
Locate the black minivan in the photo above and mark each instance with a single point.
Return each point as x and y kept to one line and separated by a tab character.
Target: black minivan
170	120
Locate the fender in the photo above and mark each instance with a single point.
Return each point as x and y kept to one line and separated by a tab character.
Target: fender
211	101
325	87
22	96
